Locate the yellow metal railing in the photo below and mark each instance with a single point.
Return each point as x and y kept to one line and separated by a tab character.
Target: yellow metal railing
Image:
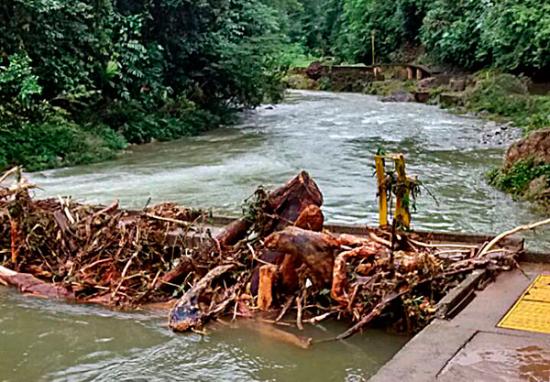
398	184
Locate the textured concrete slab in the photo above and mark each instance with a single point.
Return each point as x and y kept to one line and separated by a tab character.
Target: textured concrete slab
500	357
532	311
443	349
426	354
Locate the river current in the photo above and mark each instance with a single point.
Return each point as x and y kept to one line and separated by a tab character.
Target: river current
334	137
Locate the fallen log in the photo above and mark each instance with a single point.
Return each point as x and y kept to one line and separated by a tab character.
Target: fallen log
174	276
288	202
317	250
298	201
340	274
187	314
28	284
234	232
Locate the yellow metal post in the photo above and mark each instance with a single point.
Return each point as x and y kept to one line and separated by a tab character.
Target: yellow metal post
402	213
382	201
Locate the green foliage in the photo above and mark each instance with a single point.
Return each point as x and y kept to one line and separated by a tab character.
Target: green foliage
452	29
516	35
17	82
79	79
55	142
394	24
512	35
505	95
516	179
295	56
508	34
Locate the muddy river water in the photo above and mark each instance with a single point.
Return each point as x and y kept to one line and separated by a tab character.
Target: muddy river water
334	137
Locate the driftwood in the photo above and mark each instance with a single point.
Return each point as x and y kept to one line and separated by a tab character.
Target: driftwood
28	284
122	258
175	275
288	275
187	314
339	275
288	202
234	232
311	218
299	200
503	235
268	273
316	250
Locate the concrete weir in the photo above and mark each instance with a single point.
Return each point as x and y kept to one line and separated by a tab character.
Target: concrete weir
464	343
469	346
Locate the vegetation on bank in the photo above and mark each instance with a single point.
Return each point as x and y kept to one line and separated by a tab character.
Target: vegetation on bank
525	179
505	96
511	35
80	80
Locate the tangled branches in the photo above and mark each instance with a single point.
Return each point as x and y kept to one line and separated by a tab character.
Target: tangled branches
277	262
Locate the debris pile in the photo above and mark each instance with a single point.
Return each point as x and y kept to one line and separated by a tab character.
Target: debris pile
277	261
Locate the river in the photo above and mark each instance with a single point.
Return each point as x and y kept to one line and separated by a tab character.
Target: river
334	137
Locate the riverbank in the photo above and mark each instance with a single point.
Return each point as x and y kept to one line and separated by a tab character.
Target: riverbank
505	100
78	84
57	140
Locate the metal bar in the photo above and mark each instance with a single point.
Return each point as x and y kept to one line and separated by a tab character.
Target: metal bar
402	213
382	201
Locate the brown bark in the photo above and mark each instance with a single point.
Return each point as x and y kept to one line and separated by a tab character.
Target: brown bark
268	274
285	205
315	249
289	201
233	232
288	276
14	231
287	265
186	313
352	240
311	218
28	284
339	276
173	277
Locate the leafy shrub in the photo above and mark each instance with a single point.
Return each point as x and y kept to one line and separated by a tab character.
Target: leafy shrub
506	96
56	142
395	24
80	78
516	179
516	35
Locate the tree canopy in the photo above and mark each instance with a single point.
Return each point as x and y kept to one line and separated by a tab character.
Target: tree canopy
512	35
79	79
131	70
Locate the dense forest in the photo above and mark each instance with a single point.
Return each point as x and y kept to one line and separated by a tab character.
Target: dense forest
81	79
512	35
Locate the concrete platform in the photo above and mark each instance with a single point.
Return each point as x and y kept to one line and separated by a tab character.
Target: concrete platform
470	347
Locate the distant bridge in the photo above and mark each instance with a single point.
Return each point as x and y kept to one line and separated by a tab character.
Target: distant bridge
398	71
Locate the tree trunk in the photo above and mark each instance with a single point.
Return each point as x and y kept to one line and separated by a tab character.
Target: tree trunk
289	201
28	284
315	249
268	274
